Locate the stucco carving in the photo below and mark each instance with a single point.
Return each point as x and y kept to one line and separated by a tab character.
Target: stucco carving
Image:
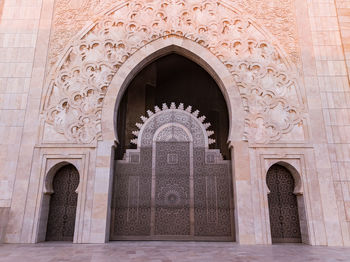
70	16
261	71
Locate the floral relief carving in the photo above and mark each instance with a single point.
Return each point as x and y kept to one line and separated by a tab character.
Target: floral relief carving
261	71
70	16
279	17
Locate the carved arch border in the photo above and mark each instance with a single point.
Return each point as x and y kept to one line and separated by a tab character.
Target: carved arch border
190	50
50	175
152	52
298	185
163	127
87	128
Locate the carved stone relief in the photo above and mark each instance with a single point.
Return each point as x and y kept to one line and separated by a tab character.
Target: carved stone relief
70	16
266	80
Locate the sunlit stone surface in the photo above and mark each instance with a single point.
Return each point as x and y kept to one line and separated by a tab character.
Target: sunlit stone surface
170	252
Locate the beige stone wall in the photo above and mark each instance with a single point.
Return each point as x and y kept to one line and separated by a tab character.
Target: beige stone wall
19	25
333	99
343	12
337	104
25	28
312	35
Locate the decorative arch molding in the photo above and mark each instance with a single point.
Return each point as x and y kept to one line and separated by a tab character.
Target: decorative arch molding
155	50
48	188
169	115
172	132
298	184
265	78
173	123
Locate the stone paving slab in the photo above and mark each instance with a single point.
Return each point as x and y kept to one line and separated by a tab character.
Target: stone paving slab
169	252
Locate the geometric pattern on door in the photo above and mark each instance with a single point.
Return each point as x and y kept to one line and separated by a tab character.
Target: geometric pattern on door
283	206
172	187
63	205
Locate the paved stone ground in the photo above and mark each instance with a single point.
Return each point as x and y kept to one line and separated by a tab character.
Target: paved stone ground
170	252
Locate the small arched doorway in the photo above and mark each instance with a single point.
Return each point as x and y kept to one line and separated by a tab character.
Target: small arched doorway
283	206
63	205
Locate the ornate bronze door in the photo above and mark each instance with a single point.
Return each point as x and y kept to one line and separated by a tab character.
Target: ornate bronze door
63	205
172	186
173	194
283	207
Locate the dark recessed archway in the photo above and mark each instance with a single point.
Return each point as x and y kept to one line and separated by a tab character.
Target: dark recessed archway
173	78
172	186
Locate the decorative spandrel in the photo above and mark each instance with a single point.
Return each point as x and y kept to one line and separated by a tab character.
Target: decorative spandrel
283	206
262	72
172	186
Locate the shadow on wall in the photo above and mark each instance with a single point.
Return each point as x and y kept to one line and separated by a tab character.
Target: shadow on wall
2	2
4	216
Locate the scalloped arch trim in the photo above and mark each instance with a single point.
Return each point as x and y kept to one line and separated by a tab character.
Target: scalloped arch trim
173	114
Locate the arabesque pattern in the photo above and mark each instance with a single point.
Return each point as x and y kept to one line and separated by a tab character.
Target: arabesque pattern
70	16
266	81
63	205
283	206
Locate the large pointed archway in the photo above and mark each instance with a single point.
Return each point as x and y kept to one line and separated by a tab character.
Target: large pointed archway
172	78
170	185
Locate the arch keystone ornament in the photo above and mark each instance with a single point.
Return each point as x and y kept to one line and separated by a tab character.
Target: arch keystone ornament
262	73
172	186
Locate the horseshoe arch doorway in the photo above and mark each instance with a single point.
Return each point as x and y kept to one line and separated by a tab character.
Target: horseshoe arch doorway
283	206
172	177
63	205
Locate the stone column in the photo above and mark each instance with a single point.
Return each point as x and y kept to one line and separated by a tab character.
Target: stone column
29	24
102	192
243	206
